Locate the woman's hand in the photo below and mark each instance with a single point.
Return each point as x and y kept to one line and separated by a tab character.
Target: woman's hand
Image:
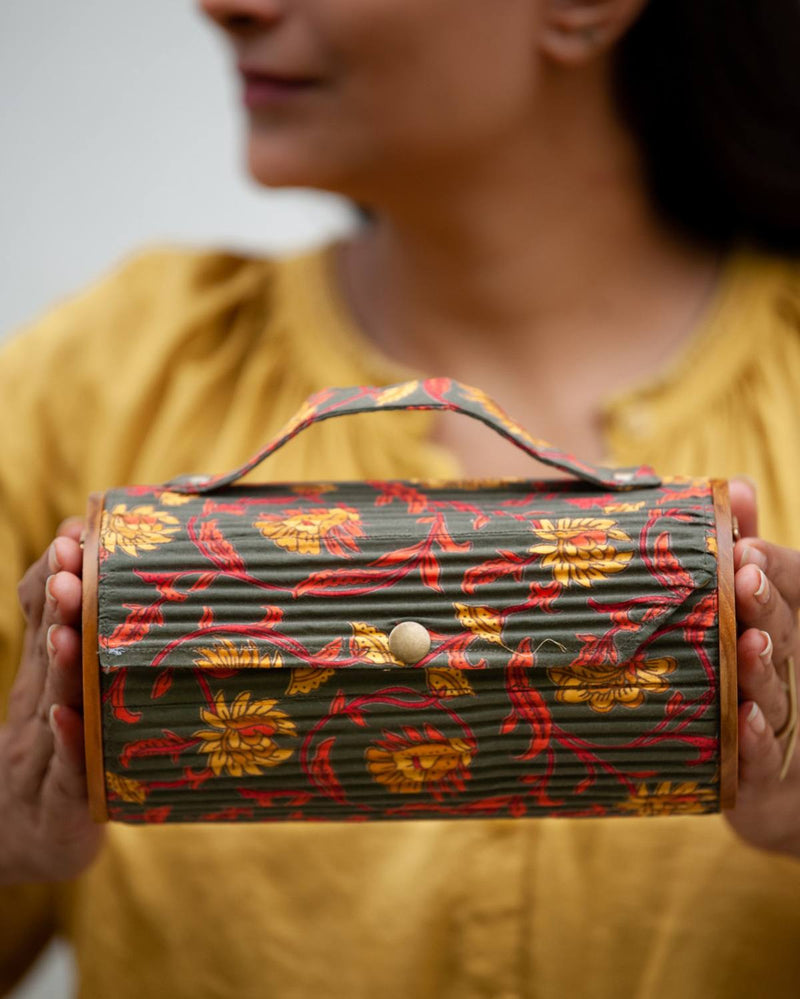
46	833
767	586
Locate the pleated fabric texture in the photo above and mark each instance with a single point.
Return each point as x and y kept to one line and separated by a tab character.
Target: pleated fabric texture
571	664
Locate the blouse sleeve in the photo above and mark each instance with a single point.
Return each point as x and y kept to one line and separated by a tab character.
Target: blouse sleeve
48	399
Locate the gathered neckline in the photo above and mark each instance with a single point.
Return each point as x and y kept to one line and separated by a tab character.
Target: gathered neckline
703	363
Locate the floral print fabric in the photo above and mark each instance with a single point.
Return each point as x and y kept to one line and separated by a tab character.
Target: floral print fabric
247	674
247	671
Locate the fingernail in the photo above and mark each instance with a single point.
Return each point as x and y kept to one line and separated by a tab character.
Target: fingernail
52	717
50	646
766	654
761	593
756	719
750	481
48	589
52	558
754	556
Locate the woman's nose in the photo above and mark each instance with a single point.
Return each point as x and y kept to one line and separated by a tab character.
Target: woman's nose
239	15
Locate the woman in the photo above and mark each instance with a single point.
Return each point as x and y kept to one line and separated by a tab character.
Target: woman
555	212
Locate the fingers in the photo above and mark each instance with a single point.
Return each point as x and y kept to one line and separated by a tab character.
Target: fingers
760	753
60	554
758	678
760	605
64	682
49	671
782	565
66	776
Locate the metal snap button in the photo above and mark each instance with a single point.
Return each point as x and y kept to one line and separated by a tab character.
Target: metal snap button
409	641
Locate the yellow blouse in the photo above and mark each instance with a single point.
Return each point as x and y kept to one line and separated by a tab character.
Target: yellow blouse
182	360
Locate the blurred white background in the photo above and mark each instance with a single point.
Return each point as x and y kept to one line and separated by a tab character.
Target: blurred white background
121	125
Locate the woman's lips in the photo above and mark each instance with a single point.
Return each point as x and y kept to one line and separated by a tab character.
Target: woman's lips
264	91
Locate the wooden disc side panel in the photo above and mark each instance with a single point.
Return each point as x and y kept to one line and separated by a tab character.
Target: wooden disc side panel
92	706
728	687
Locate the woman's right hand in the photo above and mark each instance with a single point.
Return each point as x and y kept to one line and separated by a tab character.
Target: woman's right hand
46	833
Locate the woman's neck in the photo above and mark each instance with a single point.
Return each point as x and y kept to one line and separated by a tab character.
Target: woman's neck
544	247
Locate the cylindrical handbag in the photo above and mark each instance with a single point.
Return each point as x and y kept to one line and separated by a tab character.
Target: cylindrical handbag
410	649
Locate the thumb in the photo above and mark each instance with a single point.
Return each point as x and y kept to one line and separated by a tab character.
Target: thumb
743	505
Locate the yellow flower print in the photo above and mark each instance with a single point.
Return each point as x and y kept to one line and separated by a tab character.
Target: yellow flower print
371	644
241	739
479	396
602	685
447	682
225	655
406	764
313	488
302	531
141	529
623	507
168	498
304	413
669	798
464	484
582	550
126	788
396	392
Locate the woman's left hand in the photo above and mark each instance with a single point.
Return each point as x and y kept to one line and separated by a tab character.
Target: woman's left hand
767	587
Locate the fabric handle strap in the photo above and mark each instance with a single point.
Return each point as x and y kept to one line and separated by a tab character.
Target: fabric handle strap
428	393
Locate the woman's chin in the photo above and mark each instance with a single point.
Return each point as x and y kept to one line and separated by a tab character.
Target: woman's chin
272	169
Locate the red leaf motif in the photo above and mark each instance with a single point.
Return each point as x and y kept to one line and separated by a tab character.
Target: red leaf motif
323	773
621	619
480	521
699	491
116	695
456	653
544	596
273	616
330	651
668	566
429	571
527	704
331	579
266	799
674	704
701	617
416	502
221	550
585	784
444	540
168	591
157	815
230	814
207	619
338	703
134	628
397	556
517	808
488	572
169	745
203	582
436	386
162	684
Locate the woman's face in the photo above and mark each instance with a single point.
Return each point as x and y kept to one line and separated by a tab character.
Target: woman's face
407	88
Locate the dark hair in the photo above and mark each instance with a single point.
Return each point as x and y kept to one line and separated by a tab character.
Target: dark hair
712	90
